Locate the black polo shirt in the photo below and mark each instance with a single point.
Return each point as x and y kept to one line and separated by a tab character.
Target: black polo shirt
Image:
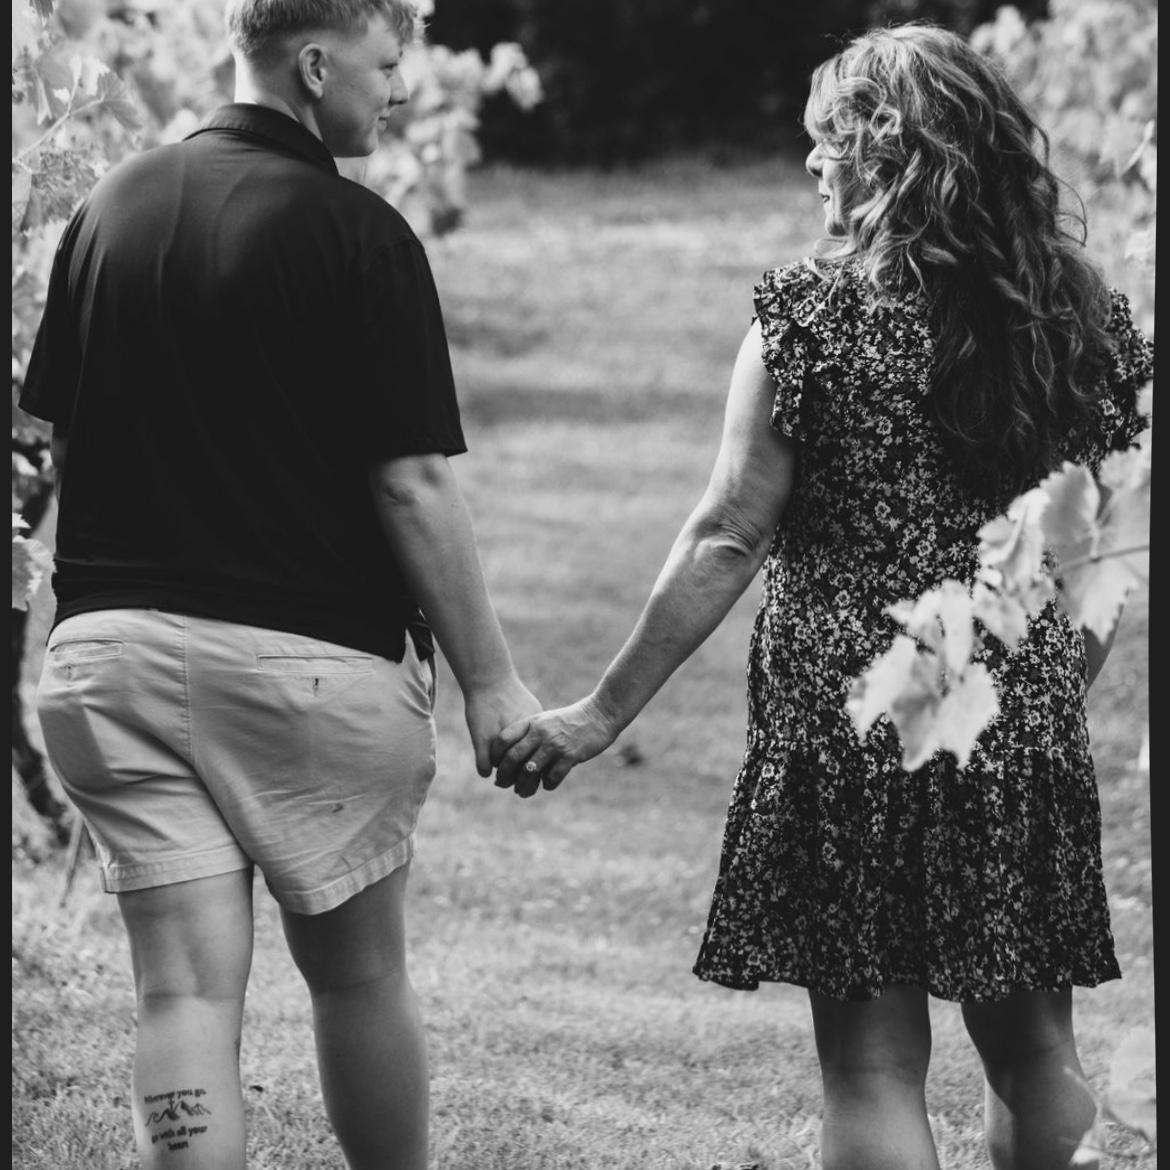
233	334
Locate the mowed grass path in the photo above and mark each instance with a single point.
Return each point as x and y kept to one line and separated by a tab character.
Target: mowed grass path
594	320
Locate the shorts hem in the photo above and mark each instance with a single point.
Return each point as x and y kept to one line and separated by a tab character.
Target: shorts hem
331	895
124	878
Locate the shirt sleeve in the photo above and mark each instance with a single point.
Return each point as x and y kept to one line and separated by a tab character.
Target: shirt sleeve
54	366
406	390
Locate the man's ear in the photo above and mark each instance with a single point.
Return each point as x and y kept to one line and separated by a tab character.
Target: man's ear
312	68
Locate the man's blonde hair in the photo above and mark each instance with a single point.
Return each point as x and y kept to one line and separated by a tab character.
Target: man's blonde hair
257	28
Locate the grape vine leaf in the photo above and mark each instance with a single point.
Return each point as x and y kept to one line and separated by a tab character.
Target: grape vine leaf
24	31
31	560
1094	592
942	620
1011	547
1069	520
1001	613
955	613
1102	542
871	693
966	709
114	97
21	190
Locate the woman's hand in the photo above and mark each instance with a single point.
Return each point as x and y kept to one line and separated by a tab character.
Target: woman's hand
545	748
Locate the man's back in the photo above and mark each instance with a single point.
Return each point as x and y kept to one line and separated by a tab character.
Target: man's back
244	365
244	332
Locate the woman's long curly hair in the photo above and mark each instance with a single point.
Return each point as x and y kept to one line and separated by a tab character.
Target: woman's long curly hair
948	189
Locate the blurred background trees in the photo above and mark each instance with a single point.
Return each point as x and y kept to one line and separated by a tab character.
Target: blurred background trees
625	80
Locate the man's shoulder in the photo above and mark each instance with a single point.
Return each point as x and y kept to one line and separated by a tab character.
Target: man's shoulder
130	169
381	223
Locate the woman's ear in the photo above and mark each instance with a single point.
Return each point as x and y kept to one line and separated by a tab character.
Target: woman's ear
312	68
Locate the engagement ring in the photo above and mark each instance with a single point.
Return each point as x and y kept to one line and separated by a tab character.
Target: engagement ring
530	767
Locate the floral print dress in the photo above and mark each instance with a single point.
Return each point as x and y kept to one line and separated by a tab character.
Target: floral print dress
841	872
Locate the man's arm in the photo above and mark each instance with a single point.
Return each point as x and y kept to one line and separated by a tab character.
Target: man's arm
426	520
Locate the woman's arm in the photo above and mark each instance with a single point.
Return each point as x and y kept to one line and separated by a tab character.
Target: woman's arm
714	558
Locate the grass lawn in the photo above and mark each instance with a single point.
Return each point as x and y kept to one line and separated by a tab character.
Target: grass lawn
594	319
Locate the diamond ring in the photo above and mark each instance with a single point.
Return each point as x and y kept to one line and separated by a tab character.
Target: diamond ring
530	767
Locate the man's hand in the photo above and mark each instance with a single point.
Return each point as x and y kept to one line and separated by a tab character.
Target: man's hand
490	709
547	747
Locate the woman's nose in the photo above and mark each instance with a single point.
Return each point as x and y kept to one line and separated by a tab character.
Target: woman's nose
812	163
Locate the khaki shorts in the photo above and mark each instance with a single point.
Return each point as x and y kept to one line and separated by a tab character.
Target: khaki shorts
196	747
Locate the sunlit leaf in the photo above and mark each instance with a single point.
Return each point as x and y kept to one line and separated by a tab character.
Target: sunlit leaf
1094	592
24	30
31	560
1001	613
904	683
21	190
941	620
1126	530
1127	471
87	70
115	99
914	712
54	88
1070	518
1014	544
872	694
966	709
920	618
955	612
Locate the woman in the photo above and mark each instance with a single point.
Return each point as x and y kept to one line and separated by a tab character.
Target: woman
952	347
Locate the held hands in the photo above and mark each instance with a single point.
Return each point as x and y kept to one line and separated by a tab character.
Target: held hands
546	748
492	709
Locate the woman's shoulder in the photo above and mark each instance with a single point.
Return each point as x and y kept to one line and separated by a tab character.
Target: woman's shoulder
801	291
799	281
835	299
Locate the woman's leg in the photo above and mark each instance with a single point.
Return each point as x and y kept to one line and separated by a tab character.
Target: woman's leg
874	1056
191	945
371	1049
1038	1104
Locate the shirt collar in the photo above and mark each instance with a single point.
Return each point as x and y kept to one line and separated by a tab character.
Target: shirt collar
264	122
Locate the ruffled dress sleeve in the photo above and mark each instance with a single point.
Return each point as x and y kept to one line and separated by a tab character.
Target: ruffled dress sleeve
786	301
1119	417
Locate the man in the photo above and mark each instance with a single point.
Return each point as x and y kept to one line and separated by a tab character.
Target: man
244	363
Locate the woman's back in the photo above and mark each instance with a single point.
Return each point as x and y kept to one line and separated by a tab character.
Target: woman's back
880	508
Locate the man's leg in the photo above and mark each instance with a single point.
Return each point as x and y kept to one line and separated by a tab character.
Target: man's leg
371	1048
874	1056
1038	1104
191	945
